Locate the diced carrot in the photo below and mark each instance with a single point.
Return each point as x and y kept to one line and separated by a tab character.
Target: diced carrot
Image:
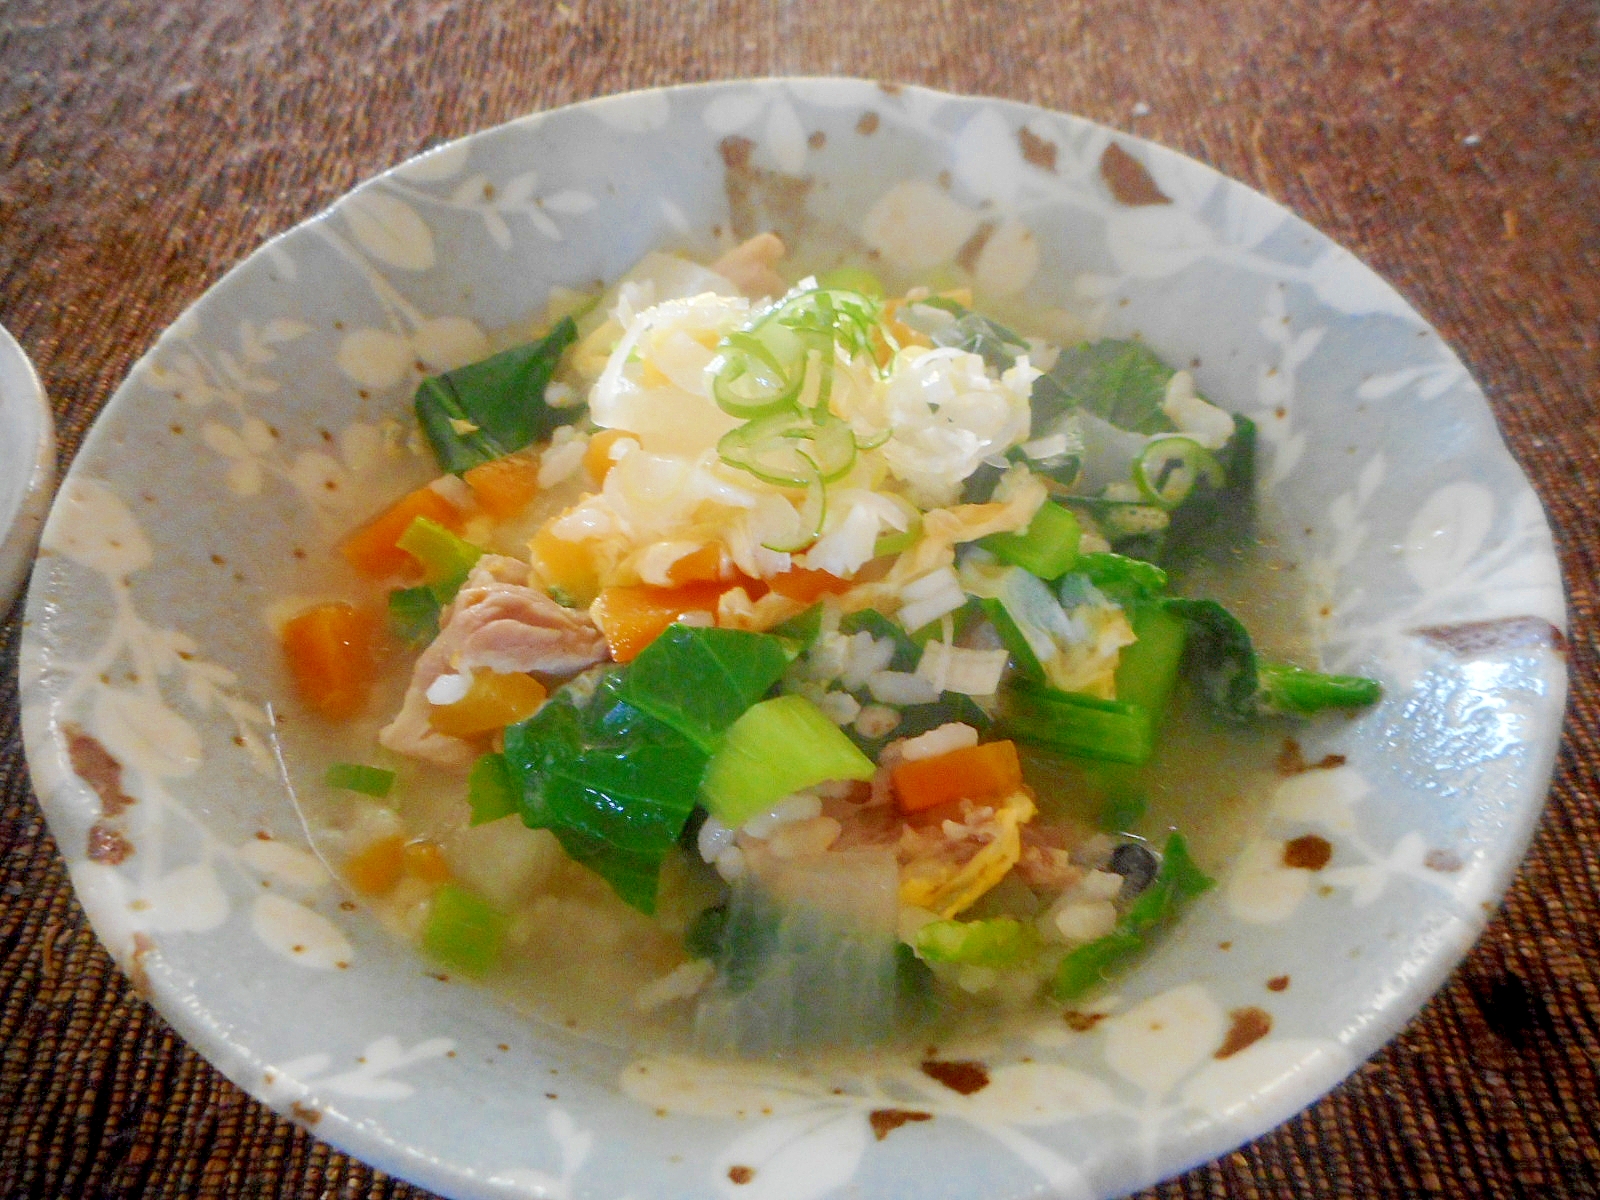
492	702
377	866
503	487
332	653
371	550
991	771
563	566
425	861
631	617
698	566
806	586
597	460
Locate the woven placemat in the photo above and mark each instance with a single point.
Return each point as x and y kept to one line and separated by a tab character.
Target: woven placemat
147	146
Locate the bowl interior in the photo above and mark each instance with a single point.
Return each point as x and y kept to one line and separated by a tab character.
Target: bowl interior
261	426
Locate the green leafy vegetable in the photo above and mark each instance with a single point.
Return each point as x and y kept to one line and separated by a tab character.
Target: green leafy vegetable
802	629
974	333
1243	687
703	938
464	932
614	784
868	620
356	777
1123	578
1178	882
774	749
491	408
1120	381
700	681
1288	689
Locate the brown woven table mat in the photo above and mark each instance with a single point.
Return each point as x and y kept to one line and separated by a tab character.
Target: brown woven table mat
146	146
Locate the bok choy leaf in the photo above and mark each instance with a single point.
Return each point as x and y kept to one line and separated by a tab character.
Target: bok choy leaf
613	783
701	680
1119	381
489	409
1244	687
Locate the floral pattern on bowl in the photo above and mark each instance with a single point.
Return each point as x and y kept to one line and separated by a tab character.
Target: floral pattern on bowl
246	438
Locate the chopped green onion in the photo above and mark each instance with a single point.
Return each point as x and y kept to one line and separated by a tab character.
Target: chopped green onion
446	559
355	777
813	512
1169	468
491	794
1046	549
463	931
790	450
751	382
776	748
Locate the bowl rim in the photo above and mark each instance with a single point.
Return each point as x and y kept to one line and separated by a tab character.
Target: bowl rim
35	454
372	1144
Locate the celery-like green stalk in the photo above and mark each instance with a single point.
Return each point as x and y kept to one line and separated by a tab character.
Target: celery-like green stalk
464	932
776	748
1047	548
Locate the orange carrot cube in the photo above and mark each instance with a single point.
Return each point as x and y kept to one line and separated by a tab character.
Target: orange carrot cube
991	771
332	652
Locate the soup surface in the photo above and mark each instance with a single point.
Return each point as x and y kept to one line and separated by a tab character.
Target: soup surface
771	665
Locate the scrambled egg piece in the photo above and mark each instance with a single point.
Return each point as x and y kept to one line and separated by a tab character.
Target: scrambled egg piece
939	870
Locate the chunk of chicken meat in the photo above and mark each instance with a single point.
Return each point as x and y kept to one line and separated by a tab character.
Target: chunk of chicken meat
496	622
751	266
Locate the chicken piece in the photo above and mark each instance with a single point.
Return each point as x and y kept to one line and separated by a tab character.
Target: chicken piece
750	266
945	868
1047	864
497	622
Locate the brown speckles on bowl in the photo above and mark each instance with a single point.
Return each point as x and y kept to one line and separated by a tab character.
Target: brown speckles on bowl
885	1121
1129	181
1309	852
1247	1026
964	1076
98	767
1041	152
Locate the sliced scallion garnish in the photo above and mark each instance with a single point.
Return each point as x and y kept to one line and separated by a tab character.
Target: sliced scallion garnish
1169	468
789	450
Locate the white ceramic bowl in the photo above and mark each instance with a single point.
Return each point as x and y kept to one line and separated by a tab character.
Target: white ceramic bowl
27	464
238	439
